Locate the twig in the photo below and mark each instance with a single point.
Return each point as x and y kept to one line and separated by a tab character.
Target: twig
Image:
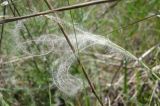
2	28
133	23
57	10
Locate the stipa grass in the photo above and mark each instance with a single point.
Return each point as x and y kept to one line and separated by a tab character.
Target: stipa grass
64	58
114	79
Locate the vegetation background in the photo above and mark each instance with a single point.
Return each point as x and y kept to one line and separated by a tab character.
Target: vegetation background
29	81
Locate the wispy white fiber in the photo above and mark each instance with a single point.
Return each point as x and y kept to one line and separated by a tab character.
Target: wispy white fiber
4	3
64	57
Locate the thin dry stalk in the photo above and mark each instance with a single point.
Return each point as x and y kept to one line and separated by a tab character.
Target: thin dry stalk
80	5
2	28
74	51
